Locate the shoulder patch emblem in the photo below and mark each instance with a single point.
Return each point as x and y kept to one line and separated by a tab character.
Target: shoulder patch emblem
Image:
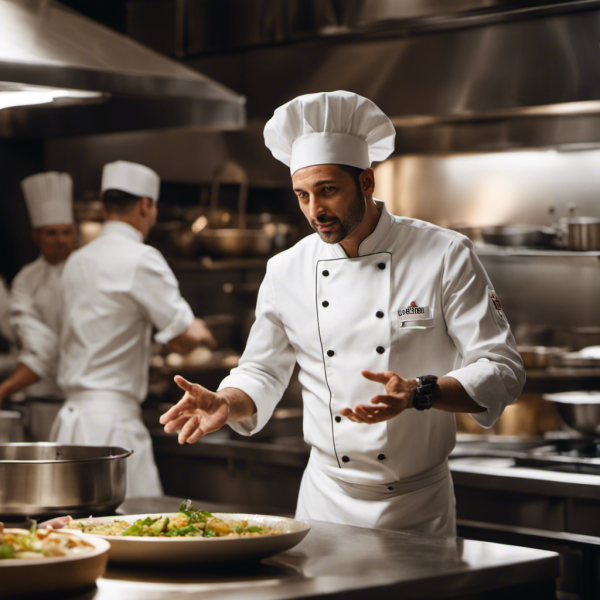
496	304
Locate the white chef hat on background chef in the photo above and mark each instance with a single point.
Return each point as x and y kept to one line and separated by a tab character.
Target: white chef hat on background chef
132	178
329	128
49	198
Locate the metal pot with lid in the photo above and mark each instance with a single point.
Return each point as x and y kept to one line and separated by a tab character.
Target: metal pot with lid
44	479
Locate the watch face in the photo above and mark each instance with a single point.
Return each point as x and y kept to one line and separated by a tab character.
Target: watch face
428	379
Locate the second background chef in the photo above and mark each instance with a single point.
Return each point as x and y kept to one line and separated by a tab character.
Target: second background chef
115	290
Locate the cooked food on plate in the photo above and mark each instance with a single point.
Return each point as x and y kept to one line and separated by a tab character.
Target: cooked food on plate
188	522
40	543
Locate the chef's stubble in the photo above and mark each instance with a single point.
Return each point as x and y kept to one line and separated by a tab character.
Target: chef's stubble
346	225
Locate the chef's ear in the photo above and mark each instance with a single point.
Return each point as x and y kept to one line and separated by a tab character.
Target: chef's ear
367	182
145	205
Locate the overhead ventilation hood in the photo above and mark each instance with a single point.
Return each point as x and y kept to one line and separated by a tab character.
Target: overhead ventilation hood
453	76
64	74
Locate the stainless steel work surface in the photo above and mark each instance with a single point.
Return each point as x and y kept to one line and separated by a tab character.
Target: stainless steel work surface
337	561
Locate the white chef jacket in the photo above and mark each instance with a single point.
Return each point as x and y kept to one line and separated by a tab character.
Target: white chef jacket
114	290
336	315
35	307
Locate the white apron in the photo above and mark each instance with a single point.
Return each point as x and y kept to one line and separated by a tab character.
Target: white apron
103	418
424	505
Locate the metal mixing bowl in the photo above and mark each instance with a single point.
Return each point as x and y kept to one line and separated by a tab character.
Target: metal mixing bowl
579	410
43	479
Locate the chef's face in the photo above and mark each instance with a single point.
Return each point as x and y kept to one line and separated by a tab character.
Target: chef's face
55	241
330	200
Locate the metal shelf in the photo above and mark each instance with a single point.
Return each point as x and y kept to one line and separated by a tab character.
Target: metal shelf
510	251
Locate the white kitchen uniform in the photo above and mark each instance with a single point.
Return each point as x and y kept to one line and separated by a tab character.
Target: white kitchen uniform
416	301
35	307
115	289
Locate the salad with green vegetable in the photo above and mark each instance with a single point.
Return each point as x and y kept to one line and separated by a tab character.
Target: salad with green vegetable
188	522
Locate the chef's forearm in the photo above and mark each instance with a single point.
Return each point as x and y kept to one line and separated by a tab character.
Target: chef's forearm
452	397
241	406
21	378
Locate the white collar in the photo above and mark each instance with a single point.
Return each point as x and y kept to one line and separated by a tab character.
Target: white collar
371	243
122	229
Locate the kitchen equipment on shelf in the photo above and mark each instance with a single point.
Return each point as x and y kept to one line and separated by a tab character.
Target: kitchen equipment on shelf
585	358
580	410
540	357
534	236
45	479
11	426
228	241
581	233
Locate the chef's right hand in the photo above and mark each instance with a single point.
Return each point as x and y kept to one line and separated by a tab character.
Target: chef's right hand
199	412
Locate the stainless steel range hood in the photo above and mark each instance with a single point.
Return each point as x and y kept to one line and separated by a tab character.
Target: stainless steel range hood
453	76
104	81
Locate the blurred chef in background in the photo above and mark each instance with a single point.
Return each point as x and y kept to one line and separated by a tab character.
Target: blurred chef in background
115	290
35	300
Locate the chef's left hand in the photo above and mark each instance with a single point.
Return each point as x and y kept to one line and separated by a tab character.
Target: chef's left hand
398	397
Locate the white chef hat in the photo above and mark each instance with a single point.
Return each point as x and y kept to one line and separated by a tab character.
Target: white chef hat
132	178
49	198
329	128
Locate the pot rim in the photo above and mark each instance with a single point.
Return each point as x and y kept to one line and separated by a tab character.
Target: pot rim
122	453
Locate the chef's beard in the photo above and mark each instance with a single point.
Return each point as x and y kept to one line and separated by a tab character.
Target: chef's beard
345	226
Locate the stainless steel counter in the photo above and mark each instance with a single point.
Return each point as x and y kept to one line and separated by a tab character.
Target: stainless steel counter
337	561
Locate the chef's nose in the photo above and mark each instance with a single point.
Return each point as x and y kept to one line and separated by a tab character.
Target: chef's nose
315	209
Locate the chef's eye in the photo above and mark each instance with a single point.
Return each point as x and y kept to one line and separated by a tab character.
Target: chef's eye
328	189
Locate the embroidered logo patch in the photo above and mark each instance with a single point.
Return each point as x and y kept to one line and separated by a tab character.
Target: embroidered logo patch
496	304
414	313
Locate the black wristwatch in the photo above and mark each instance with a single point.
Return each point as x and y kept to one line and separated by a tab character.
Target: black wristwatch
426	386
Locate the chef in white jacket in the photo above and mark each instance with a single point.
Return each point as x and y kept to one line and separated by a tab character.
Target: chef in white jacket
115	290
394	325
35	300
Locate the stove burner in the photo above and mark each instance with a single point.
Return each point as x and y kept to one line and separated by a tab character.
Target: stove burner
574	455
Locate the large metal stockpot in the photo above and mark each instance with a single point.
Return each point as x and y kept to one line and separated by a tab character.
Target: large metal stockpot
44	479
582	233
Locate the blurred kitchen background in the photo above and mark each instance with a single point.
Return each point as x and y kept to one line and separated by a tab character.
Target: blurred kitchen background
496	104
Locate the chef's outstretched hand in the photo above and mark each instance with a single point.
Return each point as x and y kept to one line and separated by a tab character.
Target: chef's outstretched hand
199	412
399	396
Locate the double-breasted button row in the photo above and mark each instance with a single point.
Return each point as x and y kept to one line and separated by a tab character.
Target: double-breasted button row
380	457
380	265
379	349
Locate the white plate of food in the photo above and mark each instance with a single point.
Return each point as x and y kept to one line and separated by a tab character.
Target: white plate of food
193	536
38	560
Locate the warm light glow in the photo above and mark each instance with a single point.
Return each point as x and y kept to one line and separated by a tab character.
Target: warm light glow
199	224
29	96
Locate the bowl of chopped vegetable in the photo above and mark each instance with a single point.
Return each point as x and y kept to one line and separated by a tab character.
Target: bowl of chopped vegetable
42	560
